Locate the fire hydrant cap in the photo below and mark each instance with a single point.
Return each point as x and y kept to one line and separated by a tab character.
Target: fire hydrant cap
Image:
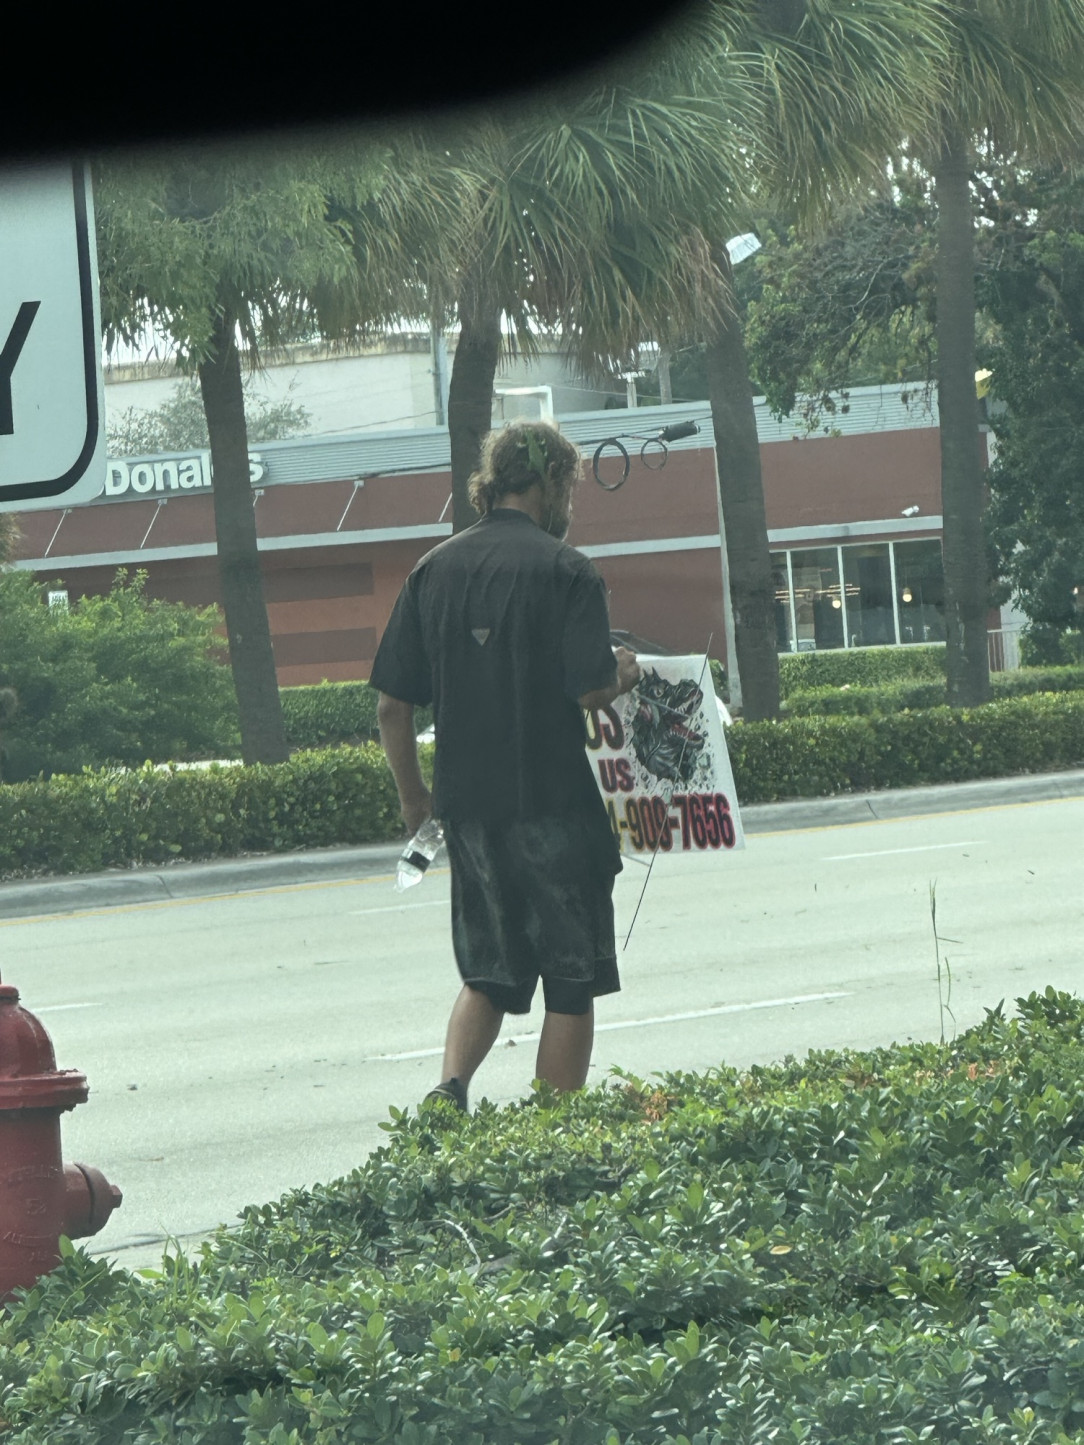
29	1078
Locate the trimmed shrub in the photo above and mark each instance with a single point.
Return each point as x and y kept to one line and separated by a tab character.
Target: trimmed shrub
895	697
850	701
854	1247
1037	679
92	821
335	712
816	756
860	667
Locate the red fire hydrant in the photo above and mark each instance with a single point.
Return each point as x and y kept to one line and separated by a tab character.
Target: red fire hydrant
40	1199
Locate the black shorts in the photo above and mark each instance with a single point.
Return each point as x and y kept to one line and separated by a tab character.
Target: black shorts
533	899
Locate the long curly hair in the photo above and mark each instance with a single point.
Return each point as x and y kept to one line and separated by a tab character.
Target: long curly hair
519	456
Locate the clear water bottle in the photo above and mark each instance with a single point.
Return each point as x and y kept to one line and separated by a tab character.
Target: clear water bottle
418	854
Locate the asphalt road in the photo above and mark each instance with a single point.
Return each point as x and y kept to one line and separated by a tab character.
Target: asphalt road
245	1042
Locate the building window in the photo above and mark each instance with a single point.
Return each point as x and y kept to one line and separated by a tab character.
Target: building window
784	603
868	594
920	588
818	601
867	576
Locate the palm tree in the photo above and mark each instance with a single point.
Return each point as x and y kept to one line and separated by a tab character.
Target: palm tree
1013	86
579	223
836	84
228	255
604	216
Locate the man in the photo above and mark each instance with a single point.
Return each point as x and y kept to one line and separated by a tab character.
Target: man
505	630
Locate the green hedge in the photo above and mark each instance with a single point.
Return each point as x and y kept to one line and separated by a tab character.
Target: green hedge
815	756
92	821
335	712
875	1247
896	697
860	667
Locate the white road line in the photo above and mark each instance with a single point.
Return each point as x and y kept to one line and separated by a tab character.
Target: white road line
401	907
52	1008
702	1013
924	848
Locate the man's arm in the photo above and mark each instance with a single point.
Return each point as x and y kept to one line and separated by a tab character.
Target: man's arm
628	675
396	720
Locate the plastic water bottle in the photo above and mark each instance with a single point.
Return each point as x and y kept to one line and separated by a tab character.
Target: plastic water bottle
418	854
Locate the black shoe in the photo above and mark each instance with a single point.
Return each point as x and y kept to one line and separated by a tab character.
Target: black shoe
451	1092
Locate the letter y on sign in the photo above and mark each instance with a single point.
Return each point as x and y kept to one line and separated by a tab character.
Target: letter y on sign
52	444
10	354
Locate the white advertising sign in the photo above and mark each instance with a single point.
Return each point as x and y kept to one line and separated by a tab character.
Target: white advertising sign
661	763
52	441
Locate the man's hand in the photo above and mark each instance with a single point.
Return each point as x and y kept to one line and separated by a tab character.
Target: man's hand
415	810
628	670
628	675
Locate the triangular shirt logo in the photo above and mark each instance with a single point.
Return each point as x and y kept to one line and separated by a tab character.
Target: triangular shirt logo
480	635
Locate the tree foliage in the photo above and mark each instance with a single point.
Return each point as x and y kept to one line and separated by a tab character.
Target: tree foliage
1037	484
852	305
179	424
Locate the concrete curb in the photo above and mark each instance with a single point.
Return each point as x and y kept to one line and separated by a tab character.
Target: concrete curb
911	802
119	887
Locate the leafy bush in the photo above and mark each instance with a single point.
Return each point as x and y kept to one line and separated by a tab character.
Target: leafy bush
860	667
855	1247
118	679
335	712
809	757
1044	645
895	697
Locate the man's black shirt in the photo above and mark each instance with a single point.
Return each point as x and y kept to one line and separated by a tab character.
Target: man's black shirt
502	628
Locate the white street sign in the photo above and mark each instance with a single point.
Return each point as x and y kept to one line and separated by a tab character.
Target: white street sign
52	439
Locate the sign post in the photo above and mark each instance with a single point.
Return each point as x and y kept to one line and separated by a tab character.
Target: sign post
52	440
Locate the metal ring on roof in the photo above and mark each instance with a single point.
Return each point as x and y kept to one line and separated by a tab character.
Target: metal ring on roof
655	459
626	464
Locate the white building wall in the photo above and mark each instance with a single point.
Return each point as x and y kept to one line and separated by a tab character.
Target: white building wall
386	389
380	391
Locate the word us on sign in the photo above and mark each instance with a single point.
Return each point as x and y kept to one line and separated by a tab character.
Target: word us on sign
661	763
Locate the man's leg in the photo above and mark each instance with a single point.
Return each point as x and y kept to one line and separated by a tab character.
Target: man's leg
472	1032
564	1050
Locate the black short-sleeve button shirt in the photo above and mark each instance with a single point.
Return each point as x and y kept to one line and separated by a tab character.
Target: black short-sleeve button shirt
502	628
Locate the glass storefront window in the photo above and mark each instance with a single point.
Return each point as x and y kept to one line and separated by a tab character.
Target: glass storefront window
891	593
867	576
818	603
920	591
784	625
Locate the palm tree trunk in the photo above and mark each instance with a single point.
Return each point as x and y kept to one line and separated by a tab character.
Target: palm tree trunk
962	481
263	737
470	391
741	491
